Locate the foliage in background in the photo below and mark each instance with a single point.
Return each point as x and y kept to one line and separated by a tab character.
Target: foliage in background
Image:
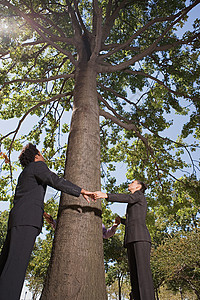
3	227
176	262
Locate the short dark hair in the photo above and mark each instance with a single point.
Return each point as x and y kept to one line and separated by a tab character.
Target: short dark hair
144	186
28	154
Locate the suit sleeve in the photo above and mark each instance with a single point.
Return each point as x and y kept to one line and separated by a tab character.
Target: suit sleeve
123	221
107	233
125	198
43	174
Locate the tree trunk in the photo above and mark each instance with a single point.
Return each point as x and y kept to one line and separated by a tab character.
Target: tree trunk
156	292
119	288
76	270
181	293
198	295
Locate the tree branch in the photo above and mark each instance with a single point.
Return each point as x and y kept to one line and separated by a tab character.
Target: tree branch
149	50
54	98
181	145
38	42
49	21
75	23
131	127
111	18
127	125
177	93
40	80
2	53
177	43
112	46
98	31
80	19
118	47
117	94
36	27
45	30
154	133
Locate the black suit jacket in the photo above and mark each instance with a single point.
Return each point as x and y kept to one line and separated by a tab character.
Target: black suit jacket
30	191
135	225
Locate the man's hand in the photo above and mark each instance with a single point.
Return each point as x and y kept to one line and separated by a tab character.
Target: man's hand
117	220
99	195
87	195
48	218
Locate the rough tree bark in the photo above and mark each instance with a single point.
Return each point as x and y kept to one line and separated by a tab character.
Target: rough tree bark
78	248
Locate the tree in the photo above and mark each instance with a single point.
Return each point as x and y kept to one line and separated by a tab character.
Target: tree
116	264
3	226
37	269
115	258
97	54
176	262
38	265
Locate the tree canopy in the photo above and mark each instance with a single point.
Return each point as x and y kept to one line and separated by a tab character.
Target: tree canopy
145	73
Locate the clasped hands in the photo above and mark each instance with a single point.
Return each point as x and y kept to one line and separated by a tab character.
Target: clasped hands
93	195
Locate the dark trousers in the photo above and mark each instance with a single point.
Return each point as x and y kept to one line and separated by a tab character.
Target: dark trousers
140	270
14	260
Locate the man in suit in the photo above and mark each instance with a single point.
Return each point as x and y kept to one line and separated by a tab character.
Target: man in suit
26	218
137	239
